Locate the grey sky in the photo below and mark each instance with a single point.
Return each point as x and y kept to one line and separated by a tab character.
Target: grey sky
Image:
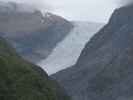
91	10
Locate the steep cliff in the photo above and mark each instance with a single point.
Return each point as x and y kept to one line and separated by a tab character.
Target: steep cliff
104	70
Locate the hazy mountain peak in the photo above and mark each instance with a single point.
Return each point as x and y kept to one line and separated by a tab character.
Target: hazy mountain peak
16	7
33	34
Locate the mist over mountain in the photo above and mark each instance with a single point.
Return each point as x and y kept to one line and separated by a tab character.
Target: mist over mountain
25	28
102	9
89	64
18	7
41	5
125	2
97	68
104	69
33	34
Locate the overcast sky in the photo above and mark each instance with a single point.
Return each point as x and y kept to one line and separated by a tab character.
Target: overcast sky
90	10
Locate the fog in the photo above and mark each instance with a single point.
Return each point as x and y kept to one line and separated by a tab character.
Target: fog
85	10
125	2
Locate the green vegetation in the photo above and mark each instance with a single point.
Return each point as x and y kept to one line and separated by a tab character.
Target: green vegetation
20	80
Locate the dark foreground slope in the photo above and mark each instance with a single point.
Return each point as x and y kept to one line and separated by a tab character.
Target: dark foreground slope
104	70
20	80
33	34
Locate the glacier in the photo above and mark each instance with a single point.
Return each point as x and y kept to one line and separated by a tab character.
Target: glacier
68	50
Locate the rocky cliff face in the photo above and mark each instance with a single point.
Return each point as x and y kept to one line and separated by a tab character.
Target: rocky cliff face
20	80
104	70
33	35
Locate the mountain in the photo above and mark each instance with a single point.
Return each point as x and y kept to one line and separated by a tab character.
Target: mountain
33	34
104	70
68	50
20	80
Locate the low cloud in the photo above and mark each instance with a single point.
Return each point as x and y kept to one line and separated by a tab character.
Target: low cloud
125	2
82	10
38	4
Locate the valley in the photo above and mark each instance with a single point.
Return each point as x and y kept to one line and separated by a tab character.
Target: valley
66	53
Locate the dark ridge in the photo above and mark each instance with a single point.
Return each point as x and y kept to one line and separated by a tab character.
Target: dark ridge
20	80
104	70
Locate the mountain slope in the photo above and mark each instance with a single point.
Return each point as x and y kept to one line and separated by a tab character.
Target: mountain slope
68	50
33	34
104	69
20	80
